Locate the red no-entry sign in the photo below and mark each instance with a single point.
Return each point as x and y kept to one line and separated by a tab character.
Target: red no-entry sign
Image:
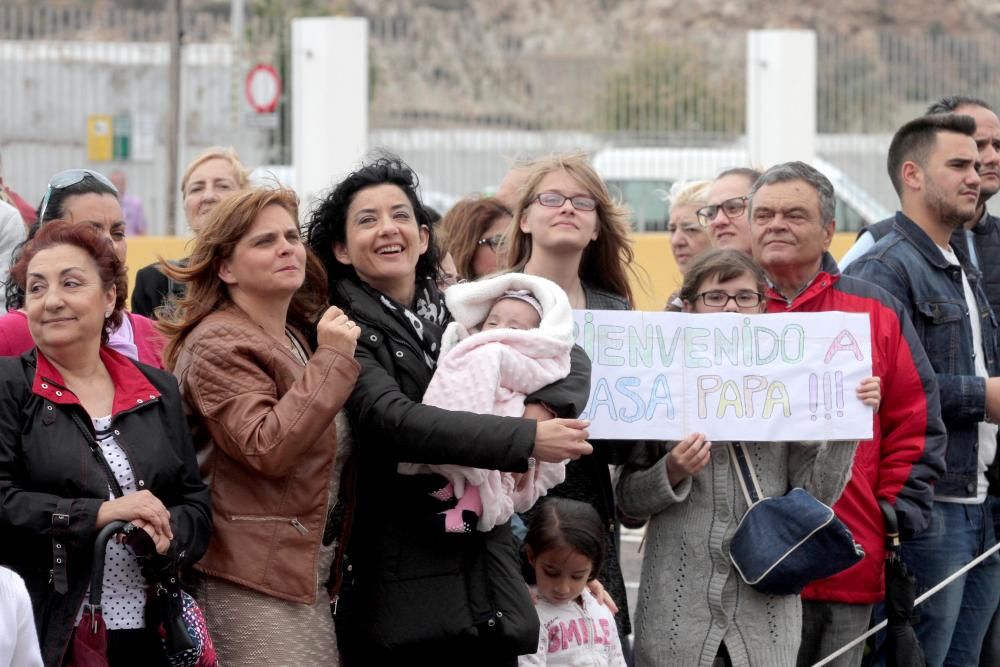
263	88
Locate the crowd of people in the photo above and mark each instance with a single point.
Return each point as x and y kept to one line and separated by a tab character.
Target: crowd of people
356	440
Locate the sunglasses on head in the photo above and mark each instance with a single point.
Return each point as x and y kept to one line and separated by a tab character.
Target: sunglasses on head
68	178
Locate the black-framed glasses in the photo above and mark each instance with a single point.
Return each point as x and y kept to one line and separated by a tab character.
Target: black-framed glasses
730	208
718	299
495	242
556	199
65	179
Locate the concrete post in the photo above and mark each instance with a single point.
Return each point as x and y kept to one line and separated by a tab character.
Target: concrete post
781	96
329	101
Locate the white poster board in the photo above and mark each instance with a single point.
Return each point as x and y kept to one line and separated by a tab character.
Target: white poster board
762	378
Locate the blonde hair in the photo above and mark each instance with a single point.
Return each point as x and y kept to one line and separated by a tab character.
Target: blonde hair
607	260
206	293
685	193
227	153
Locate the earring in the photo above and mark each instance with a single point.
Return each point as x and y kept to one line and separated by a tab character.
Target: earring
107	314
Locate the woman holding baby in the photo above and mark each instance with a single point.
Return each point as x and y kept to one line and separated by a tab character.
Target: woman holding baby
409	591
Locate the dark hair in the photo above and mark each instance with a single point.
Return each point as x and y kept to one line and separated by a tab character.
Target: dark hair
913	142
723	265
328	221
110	269
433	217
55	209
561	522
949	103
748	173
800	171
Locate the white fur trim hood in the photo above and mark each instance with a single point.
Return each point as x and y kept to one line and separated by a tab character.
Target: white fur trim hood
470	303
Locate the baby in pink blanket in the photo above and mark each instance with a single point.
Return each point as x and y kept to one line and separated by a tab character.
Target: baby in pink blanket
512	335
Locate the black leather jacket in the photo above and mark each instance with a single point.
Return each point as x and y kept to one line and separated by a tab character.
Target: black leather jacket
406	587
52	485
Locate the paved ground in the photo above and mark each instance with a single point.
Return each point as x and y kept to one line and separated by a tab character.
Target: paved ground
631	560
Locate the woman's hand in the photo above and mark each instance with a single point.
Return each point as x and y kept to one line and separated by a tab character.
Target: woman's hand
338	331
140	506
559	439
870	391
160	541
601	595
689	456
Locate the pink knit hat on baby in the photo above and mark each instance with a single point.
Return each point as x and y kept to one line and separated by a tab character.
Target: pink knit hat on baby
526	296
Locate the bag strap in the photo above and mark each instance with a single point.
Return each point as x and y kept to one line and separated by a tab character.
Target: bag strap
95	449
745	474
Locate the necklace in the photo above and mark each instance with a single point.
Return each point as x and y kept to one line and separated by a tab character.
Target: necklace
296	348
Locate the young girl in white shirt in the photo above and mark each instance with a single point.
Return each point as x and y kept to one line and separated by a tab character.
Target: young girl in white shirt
565	547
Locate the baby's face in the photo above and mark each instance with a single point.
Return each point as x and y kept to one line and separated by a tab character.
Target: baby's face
512	314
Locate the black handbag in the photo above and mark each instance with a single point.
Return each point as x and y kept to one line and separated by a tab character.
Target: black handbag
784	542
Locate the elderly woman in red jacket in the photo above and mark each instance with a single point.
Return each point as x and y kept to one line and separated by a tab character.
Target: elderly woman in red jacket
87	437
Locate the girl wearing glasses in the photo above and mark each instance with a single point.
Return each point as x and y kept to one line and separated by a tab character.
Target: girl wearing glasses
473	230
569	230
691	493
86	197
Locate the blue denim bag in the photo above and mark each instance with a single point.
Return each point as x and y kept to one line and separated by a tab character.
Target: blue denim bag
784	542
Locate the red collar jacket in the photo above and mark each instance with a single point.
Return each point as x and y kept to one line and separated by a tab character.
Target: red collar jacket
51	484
906	456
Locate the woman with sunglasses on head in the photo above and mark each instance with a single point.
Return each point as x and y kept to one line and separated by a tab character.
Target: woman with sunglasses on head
265	404
473	232
88	437
208	179
692	494
87	197
410	595
569	230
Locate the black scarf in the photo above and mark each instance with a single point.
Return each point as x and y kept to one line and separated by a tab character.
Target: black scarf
427	320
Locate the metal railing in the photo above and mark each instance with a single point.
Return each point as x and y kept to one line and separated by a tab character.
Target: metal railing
455	96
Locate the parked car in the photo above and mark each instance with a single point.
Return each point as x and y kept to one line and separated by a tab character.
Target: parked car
642	177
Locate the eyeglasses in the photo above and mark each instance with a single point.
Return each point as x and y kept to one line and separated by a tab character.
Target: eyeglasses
495	242
555	200
730	208
719	299
65	179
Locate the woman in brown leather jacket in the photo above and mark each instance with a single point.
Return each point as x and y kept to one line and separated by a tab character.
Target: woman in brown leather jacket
269	442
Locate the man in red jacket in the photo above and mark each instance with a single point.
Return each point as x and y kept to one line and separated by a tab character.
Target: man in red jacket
791	218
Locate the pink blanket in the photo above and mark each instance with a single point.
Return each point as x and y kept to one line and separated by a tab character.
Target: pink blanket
491	372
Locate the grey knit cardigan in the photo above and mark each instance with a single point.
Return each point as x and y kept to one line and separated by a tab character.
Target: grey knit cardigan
691	599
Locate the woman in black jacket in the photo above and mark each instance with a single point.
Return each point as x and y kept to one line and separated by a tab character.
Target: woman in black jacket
409	593
87	437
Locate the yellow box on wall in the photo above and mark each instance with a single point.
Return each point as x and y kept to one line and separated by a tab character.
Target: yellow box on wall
100	138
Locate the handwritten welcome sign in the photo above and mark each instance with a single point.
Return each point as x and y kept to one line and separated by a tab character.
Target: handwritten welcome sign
730	376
